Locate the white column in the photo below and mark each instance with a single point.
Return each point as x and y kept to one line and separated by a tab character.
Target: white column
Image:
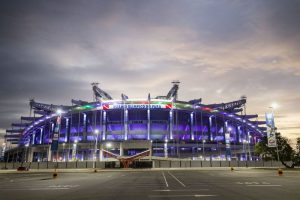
67	129
121	149
125	124
41	135
104	126
166	148
192	126
210	126
49	153
148	123
101	152
171	125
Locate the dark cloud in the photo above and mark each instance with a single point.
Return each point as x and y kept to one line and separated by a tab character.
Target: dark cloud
220	50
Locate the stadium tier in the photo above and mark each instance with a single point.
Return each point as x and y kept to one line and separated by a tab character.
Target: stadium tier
125	127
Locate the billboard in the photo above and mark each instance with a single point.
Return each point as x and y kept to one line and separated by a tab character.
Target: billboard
55	137
271	136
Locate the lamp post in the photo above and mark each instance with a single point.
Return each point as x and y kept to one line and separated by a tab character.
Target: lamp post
95	149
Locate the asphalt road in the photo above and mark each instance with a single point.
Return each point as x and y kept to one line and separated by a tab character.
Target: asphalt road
167	184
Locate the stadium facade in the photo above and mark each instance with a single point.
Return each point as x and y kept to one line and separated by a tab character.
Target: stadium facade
125	127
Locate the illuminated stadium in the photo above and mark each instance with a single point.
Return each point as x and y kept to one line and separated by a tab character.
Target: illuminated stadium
164	126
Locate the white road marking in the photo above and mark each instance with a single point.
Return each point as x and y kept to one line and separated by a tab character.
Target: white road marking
183	195
180	190
176	179
50	187
167	185
63	186
264	185
34	189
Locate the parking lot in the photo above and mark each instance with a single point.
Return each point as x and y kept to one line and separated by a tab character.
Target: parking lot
153	184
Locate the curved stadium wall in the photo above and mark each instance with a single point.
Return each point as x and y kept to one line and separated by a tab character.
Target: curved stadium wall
168	128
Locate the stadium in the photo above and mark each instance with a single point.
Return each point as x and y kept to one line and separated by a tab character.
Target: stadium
162	126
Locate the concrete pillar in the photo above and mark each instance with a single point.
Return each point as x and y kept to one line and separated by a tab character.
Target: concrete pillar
210	127
104	126
67	130
148	123
121	149
192	126
170	125
125	123
74	151
101	152
166	149
49	153
84	130
29	154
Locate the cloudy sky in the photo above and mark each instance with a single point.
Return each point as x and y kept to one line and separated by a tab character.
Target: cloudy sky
218	49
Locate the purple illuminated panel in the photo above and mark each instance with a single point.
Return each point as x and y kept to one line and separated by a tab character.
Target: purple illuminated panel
137	136
138	127
219	138
115	127
115	137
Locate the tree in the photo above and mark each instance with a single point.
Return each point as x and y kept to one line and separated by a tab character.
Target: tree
285	152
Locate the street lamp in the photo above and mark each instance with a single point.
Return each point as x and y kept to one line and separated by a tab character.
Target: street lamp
108	145
274	105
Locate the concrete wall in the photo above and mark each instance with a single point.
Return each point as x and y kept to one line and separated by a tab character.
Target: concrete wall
156	164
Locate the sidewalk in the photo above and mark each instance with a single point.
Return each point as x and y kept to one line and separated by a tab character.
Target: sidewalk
91	170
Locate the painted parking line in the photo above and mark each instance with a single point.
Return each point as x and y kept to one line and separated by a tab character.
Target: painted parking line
177	179
31	189
167	185
50	187
180	190
264	185
183	195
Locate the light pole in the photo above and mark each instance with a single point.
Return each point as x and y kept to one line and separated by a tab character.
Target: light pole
95	149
